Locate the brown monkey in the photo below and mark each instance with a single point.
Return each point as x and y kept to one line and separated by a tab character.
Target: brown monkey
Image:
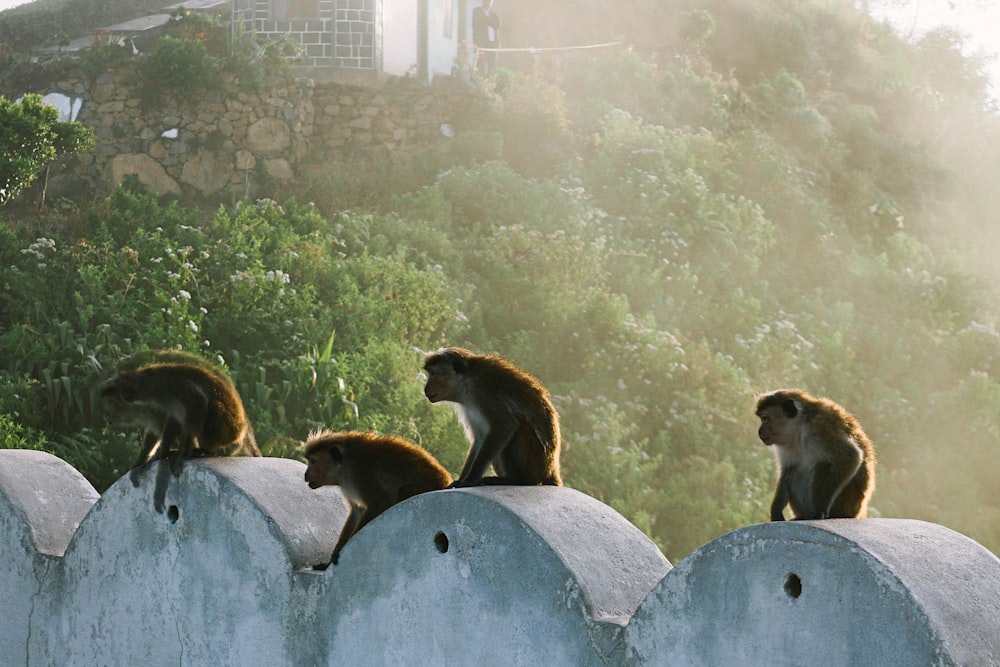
169	356
374	473
142	416
826	463
185	410
507	414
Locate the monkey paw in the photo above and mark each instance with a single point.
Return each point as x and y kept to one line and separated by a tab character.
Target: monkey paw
333	561
323	566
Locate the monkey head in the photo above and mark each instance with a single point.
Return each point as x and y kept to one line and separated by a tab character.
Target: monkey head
446	369
119	397
119	389
324	459
778	411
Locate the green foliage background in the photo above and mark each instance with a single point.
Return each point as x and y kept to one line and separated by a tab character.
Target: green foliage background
31	136
657	236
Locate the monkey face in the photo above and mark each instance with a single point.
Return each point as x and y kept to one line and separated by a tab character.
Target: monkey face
324	460
118	403
442	383
111	398
111	391
774	425
779	414
122	388
318	470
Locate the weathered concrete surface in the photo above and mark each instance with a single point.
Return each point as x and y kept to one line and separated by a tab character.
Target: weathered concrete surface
209	581
42	501
489	576
841	592
45	496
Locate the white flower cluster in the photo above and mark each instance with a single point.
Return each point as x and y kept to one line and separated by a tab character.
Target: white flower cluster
39	248
278	276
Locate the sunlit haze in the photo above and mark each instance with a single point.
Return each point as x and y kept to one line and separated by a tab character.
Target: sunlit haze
978	22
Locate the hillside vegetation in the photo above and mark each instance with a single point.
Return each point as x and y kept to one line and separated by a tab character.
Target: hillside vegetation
776	195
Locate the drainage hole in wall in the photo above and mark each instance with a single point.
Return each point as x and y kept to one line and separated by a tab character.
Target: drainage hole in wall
441	542
173	514
793	586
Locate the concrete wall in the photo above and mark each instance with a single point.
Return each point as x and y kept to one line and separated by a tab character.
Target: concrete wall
500	576
442	35
399	37
42	501
879	592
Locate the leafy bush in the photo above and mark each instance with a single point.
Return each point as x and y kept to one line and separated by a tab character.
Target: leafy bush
184	66
532	118
107	50
31	135
252	56
596	84
231	287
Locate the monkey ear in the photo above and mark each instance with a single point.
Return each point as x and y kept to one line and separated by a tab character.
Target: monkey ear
788	407
337	454
460	365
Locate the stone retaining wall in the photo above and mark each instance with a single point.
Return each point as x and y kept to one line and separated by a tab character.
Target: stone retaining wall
231	137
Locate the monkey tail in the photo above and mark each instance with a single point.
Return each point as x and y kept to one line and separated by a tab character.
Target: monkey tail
248	445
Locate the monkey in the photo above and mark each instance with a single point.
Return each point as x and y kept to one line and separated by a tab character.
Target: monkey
185	410
150	420
507	414
374	473
826	463
169	356
139	415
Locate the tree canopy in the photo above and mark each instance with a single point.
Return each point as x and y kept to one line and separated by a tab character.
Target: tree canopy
31	136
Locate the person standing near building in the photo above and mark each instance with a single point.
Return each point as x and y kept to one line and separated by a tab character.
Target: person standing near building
485	35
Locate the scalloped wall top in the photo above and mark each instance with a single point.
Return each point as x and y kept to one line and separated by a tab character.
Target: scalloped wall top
502	575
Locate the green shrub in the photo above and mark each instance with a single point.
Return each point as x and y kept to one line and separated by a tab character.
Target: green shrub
107	50
31	135
183	66
252	57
